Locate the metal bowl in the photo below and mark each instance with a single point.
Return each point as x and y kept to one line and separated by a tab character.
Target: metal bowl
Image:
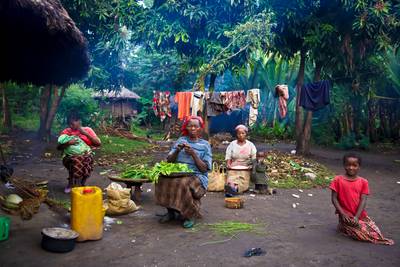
58	239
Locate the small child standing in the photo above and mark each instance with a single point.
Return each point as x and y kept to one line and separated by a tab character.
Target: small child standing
259	177
349	196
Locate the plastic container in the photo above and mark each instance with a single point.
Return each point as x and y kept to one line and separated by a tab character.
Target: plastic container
4	227
87	212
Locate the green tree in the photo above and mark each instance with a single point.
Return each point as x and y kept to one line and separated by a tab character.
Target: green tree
328	32
203	31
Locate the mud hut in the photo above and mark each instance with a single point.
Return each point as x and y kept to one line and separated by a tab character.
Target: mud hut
122	104
40	43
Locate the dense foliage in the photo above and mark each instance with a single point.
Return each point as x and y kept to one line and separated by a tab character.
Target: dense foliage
242	44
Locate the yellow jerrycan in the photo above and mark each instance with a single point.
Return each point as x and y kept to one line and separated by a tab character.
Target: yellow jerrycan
87	212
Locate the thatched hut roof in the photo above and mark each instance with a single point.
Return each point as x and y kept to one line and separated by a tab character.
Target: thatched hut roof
124	93
40	43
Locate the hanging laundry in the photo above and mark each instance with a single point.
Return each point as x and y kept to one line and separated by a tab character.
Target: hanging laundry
156	96
314	96
161	104
282	92
184	99
214	104
226	123
253	97
197	102
233	100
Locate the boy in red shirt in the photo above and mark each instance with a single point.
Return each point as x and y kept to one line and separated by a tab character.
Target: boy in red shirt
349	196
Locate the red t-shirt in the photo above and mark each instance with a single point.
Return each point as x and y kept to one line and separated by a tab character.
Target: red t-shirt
69	131
349	193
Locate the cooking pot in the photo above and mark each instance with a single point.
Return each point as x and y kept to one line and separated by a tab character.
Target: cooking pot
58	239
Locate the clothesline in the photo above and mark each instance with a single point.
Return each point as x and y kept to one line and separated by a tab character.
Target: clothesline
208	103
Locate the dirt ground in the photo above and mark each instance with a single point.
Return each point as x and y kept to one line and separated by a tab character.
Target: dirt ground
305	236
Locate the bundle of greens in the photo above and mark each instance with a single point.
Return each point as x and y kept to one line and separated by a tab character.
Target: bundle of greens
162	168
136	172
166	168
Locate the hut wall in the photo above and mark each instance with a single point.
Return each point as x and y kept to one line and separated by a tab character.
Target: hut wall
120	108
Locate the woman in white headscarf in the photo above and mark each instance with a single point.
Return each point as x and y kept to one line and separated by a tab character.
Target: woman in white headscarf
239	157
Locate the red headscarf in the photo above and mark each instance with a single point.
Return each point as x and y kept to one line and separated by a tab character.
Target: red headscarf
184	131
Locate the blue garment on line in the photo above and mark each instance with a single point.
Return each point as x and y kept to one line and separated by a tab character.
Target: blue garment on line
228	122
202	149
314	96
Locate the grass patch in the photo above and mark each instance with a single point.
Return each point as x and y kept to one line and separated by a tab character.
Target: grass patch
31	123
117	145
234	227
28	123
143	132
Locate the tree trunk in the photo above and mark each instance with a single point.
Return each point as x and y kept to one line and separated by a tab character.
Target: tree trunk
308	123
6	109
211	88
213	77
299	113
49	102
55	102
44	109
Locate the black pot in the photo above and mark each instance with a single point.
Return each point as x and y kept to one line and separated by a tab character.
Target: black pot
58	239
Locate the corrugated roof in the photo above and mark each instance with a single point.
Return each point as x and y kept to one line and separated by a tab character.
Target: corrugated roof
124	93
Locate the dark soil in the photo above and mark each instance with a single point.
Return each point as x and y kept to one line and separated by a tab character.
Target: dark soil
305	236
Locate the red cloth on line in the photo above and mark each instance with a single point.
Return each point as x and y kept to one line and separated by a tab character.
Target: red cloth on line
349	193
184	99
69	131
282	91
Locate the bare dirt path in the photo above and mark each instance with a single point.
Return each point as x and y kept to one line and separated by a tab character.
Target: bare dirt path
305	236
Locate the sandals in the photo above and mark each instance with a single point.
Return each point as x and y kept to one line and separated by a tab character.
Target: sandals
188	223
67	190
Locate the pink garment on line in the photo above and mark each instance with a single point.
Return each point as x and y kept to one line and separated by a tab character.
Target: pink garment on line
283	92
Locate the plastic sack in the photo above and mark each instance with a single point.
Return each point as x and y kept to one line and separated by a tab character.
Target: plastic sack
241	178
79	148
216	178
119	200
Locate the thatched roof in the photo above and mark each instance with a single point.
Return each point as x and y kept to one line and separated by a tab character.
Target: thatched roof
40	43
124	93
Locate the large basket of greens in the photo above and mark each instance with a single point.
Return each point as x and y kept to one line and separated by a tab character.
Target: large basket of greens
143	173
171	170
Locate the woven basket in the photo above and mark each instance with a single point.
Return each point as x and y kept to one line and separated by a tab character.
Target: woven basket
234	203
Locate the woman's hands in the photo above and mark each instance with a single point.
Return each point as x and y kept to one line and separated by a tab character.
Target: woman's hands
72	142
187	148
352	221
95	140
67	144
201	165
189	151
229	163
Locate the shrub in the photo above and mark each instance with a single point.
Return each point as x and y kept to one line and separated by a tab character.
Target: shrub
347	141
78	99
323	134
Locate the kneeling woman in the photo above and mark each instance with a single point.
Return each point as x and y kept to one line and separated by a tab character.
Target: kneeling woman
183	195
